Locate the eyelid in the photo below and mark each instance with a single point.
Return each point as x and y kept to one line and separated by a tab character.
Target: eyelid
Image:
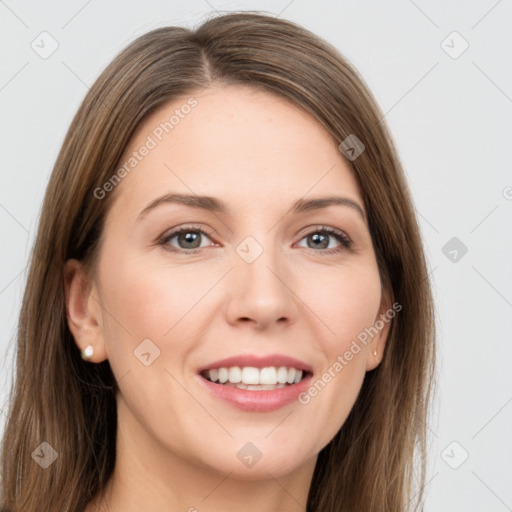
172	232
313	228
344	240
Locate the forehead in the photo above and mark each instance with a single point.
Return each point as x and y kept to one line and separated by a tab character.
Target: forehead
237	142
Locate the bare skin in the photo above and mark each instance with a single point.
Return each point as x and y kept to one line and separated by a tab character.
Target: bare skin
177	443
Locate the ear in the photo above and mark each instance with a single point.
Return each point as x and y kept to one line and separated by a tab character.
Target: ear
381	327
83	310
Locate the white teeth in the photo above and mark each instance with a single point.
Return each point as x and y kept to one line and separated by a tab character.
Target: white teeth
252	377
268	375
282	375
259	387
235	375
223	375
214	375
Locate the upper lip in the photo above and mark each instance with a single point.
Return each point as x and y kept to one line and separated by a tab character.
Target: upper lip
258	362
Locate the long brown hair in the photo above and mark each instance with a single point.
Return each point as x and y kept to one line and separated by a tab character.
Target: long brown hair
376	459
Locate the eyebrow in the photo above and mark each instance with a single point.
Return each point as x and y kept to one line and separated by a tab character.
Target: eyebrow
215	205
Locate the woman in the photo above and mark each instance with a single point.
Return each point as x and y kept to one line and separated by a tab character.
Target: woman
228	302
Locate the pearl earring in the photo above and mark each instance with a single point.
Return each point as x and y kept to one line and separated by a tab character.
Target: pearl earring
375	353
87	352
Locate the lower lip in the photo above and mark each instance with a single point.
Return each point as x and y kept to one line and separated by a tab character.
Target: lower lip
258	401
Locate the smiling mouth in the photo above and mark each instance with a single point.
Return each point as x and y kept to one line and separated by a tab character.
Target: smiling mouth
255	379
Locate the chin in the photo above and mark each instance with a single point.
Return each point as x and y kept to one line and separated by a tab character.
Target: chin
249	463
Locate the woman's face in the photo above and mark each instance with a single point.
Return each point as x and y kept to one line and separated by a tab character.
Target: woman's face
258	280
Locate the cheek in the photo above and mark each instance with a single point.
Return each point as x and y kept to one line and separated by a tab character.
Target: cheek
158	302
347	302
348	305
148	302
155	304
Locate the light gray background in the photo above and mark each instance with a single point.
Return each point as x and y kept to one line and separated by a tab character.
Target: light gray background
452	122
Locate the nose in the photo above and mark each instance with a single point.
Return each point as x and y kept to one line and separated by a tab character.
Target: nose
261	292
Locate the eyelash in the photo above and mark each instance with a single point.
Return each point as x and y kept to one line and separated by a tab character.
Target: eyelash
345	242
